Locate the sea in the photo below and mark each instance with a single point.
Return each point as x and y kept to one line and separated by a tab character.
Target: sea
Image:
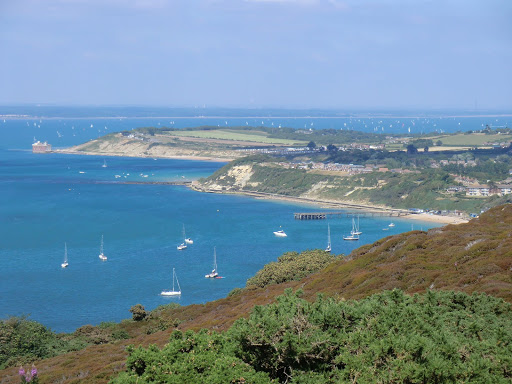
50	202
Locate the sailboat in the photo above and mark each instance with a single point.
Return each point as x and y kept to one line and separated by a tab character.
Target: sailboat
188	240
102	256
352	235
104	164
182	246
356	231
65	263
391	225
213	274
173	292
328	249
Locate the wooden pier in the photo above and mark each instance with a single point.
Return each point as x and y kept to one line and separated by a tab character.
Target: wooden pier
324	215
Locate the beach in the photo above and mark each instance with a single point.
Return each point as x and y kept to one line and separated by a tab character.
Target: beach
345	205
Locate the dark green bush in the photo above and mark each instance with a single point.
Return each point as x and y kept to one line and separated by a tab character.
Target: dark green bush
435	337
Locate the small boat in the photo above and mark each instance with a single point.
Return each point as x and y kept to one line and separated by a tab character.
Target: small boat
352	235
188	240
104	164
173	292
65	263
280	233
328	249
213	274
391	225
102	256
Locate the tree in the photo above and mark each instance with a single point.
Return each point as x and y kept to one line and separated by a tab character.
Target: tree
311	145
138	312
332	148
411	149
425	149
439	143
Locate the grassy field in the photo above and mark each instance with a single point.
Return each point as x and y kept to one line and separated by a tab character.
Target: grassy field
253	137
473	139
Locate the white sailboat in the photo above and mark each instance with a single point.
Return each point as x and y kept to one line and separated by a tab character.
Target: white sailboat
173	292
182	246
352	236
213	274
328	249
65	263
391	225
104	164
102	256
188	240
356	231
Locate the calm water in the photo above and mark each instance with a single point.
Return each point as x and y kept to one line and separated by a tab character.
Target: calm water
47	200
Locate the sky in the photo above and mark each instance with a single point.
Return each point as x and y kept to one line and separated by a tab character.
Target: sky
363	54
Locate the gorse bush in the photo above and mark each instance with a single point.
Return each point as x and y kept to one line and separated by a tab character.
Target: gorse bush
435	337
291	266
23	341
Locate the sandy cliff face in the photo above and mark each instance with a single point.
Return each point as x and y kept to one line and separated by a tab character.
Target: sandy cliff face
119	145
236	177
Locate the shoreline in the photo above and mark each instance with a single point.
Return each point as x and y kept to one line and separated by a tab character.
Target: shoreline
330	204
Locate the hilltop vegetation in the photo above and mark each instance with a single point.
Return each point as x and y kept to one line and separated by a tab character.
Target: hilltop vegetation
466	258
389	337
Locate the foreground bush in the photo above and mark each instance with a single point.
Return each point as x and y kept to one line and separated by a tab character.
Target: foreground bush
436	337
23	341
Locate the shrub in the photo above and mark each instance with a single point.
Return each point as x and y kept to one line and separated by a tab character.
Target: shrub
138	312
291	266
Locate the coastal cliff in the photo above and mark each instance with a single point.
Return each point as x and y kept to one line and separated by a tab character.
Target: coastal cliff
157	146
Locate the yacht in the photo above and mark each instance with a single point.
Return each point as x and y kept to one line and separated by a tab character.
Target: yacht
173	292
213	274
280	233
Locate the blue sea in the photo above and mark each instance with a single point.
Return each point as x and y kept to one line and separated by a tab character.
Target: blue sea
51	200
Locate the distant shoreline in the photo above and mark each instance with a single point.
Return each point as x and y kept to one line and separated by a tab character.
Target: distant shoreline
355	116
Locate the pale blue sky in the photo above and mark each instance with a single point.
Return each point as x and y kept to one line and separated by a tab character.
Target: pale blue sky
256	53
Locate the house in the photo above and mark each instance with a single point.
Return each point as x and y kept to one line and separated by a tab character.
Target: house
478	190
